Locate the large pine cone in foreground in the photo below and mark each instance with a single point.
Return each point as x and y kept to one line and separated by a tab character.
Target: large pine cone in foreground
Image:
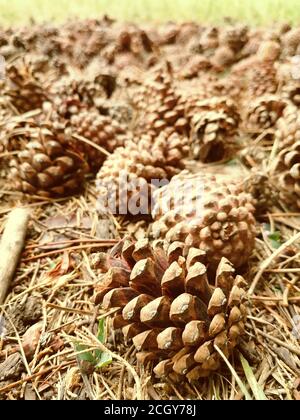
205	212
46	165
168	308
128	173
287	168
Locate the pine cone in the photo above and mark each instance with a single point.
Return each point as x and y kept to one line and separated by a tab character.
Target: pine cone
214	129
196	65
261	79
135	40
159	106
209	40
205	212
69	95
235	37
263	113
287	168
130	170
99	129
269	51
261	186
46	165
6	144
289	78
191	92
223	57
253	43
24	89
231	87
174	317
291	41
291	92
119	110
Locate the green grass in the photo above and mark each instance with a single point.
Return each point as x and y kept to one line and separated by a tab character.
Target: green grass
14	12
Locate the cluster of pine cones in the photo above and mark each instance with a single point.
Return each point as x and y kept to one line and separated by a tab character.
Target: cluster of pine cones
97	98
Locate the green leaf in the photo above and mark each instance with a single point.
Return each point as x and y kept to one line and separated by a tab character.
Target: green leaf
275	236
275	239
101	331
275	244
103	358
97	358
87	356
254	385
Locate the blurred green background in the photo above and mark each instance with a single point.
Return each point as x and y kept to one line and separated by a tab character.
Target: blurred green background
252	11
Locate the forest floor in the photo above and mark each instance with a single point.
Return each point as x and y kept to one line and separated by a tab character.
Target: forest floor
71	349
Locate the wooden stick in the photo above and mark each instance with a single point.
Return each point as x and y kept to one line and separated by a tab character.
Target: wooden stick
11	245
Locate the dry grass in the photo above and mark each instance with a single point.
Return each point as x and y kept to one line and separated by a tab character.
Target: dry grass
252	11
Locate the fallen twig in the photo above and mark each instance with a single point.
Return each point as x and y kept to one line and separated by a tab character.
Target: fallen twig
11	246
71	248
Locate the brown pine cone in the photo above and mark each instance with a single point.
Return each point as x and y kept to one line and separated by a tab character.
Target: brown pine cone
46	165
261	79
287	168
99	129
134	39
208	213
231	86
195	66
263	112
214	129
6	122
140	163
174	317
193	91
70	95
159	106
261	186
119	110
258	76
209	40
291	92
154	87
23	88
223	57
235	37
269	51
289	79
291	41
255	37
